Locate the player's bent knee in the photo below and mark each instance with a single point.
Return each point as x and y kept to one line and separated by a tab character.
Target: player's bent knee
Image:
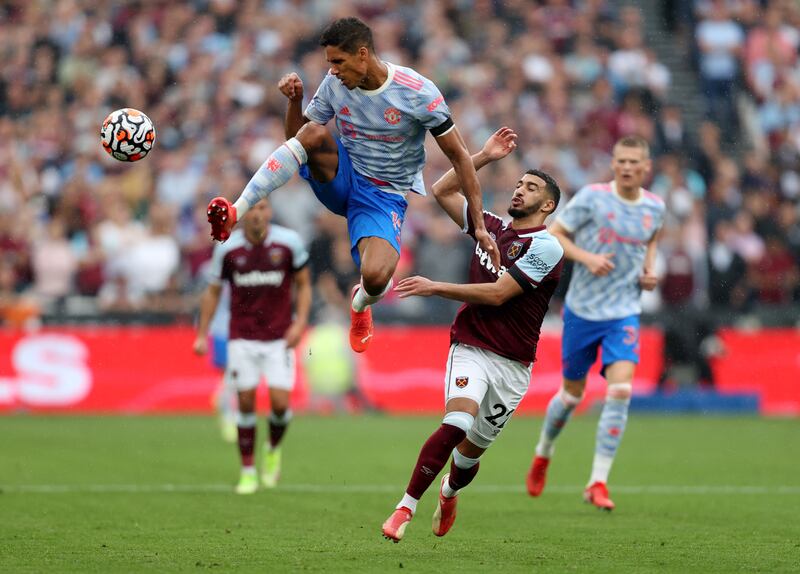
619	391
459	419
571	399
573	389
314	137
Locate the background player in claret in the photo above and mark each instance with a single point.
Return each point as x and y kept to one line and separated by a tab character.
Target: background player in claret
266	266
493	337
610	231
382	113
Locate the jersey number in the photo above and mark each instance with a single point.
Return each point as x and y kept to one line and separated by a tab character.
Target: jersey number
502	412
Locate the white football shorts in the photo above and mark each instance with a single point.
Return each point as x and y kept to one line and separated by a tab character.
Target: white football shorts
248	361
496	383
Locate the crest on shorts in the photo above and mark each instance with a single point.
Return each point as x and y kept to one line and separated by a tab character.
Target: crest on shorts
462	382
514	250
392	115
276	256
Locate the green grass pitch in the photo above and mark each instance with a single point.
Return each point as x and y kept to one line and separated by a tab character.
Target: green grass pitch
154	494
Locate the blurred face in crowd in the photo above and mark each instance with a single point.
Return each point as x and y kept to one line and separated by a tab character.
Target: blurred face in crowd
631	166
350	69
256	221
530	196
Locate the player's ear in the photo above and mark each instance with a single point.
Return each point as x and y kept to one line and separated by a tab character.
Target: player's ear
363	53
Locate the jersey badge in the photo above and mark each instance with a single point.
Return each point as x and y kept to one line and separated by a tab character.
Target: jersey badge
647	222
275	256
392	115
462	382
514	249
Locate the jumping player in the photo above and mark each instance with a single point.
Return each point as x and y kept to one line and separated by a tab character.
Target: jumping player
381	112
609	230
263	263
494	335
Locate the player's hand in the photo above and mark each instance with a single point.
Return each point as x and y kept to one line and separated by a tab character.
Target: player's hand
500	144
291	86
489	246
222	217
648	280
415	286
200	346
293	334
600	264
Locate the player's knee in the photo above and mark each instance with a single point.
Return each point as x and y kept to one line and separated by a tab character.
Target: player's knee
247	404
619	391
375	278
571	398
573	389
313	137
459	419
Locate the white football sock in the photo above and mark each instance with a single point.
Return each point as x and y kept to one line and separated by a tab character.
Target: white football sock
363	299
409	502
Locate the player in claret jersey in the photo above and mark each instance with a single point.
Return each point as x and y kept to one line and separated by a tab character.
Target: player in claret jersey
382	112
266	266
494	335
610	230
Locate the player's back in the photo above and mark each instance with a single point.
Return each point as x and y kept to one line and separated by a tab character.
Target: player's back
383	130
602	221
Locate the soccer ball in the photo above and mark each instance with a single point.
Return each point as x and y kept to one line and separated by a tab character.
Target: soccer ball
127	134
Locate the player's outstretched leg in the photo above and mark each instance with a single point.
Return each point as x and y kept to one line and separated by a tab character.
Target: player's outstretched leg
248	481
432	458
610	429
558	412
271	470
462	470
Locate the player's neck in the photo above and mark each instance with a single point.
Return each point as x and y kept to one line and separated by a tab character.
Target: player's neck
257	237
377	73
628	192
529	222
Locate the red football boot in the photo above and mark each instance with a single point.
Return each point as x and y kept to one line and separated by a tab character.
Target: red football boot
395	525
445	514
537	475
597	494
222	217
360	326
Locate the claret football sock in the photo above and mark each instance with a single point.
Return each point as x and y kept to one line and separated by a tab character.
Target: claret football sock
247	437
462	470
433	457
277	427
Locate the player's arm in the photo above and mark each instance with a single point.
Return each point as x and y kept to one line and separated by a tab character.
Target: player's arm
453	146
648	280
447	190
599	264
291	86
494	294
302	307
209	301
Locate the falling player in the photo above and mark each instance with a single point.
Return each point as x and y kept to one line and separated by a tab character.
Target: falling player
382	112
263	263
609	230
494	335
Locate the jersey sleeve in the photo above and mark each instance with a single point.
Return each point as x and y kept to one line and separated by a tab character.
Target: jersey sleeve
432	111
299	252
577	211
541	259
320	110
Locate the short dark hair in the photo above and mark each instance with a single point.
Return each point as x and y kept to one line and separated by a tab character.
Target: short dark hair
552	186
347	34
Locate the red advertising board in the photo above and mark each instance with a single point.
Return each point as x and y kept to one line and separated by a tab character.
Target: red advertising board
152	369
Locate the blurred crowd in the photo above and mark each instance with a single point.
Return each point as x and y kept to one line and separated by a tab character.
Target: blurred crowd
81	233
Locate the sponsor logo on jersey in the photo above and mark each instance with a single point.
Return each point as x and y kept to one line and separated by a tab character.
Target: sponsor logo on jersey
514	249
462	382
348	130
486	261
392	115
276	255
435	103
258	278
537	263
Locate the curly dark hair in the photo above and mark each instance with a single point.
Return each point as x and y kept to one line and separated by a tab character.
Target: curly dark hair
347	34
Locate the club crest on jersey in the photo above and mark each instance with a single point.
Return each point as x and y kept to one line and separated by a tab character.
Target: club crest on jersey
239	261
276	256
514	249
392	115
462	382
647	222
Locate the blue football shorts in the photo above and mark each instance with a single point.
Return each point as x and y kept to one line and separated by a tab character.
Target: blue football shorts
581	338
370	212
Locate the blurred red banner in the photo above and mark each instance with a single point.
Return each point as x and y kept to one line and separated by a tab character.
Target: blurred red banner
152	369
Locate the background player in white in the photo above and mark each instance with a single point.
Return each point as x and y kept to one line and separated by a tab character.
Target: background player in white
494	335
610	231
266	266
382	112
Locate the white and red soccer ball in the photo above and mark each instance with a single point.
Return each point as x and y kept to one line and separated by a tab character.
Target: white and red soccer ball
127	134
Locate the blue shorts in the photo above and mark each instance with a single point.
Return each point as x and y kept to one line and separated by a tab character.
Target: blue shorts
219	351
370	212
581	338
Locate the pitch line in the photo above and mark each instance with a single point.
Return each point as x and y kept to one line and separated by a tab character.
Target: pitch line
709	489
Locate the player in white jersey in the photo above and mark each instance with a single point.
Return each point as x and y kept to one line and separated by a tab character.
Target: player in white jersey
610	231
382	112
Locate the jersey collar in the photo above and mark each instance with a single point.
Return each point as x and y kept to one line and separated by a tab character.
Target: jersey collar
528	230
383	86
636	201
